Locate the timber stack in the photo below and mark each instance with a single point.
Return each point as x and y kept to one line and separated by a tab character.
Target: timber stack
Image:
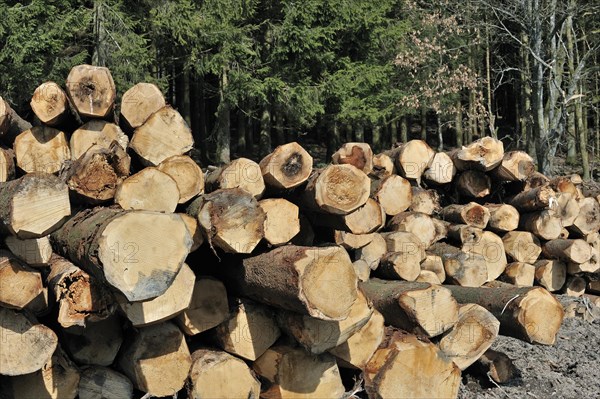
127	270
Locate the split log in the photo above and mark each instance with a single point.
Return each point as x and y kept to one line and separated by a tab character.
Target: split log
294	373
503	217
425	201
158	360
126	253
163	135
33	205
464	234
282	221
472	214
359	155
577	251
441	170
515	166
367	219
318	336
208	307
7	164
575	286
483	154
356	351
31	344
91	90
543	224
80	297
148	190
186	173
249	330
41	149
139	102
534	199
95	176
11	124
216	374
491	247
566	208
50	103
36	252
101	382
417	307
230	218
241	173
383	166
435	264
58	379
20	284
474	184
405	366
519	274
96	133
352	241
530	313
318	281
288	166
466	269
95	344
194	229
497	365
164	307
473	334
394	193
373	251
522	246
588	220
337	189
420	224
550	274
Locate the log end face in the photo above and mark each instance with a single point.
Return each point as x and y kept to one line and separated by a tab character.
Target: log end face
341	189
434	309
139	102
541	315
49	102
288	166
92	90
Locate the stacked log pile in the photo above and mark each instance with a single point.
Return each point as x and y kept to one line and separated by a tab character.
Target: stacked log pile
127	271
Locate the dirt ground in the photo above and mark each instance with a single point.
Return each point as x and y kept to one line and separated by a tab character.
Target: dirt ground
568	370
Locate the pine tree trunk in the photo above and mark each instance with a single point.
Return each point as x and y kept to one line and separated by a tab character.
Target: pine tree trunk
404	129
223	127
459	124
264	143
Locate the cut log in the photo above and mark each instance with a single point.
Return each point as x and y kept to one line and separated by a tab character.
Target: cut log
186	173
550	274
534	199
352	241
242	172
473	334
217	374
543	224
35	252
80	297
592	265
588	220
577	251
356	351
564	233
91	90
230	218
441	229
420	224
417	307
426	276
435	264
519	274
563	184
282	221
318	281
41	149
474	184
359	155
148	190
318	336
522	246
20	284
566	208
463	234
126	253
466	269
491	247
34	205
194	229
383	166
101	382
413	158
158	360
31	344
373	251
208	308
7	164
95	175
472	214
249	330
58	379
367	219
288	166
483	154
405	366
295	373
425	201
95	344
394	193
49	103
503	217
575	286
402	265
163	135
139	102
529	313
164	307
515	166
441	170
11	124
362	269
497	365
337	189
96	132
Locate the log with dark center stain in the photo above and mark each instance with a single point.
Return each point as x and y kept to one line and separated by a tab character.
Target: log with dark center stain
293	165
356	158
